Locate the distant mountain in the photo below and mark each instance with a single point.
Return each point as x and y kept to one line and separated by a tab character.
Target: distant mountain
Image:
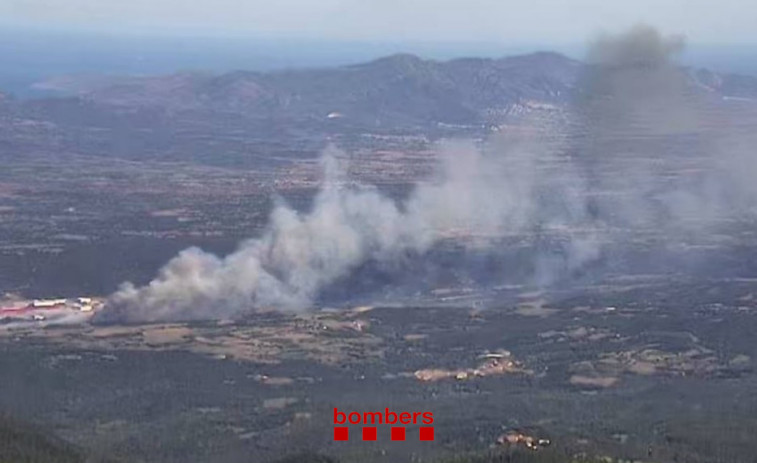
727	85
396	91
399	89
247	118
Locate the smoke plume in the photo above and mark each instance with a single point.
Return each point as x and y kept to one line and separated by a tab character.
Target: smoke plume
634	126
299	254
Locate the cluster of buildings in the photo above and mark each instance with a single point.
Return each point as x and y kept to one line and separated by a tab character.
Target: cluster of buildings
42	309
498	363
526	439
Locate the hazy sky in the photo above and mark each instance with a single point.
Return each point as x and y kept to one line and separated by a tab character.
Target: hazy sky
544	21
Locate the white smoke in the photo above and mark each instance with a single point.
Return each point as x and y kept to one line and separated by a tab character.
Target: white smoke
300	253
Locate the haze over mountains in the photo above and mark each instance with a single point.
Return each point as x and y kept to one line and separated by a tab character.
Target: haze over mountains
394	91
400	88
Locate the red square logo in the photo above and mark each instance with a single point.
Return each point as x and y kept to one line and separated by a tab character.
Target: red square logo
341	433
369	433
398	433
427	433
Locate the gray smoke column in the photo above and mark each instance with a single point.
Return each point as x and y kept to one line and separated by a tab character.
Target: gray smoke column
632	82
637	112
683	169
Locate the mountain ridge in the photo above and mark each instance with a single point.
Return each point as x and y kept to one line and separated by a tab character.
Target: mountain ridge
400	86
395	89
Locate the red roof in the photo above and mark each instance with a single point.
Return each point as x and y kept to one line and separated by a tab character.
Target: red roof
14	309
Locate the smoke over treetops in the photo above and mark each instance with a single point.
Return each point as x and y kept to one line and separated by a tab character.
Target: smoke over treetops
299	254
574	192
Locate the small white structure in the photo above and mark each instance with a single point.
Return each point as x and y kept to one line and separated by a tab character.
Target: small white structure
47	303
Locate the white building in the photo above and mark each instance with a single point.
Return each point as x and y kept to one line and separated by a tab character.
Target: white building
47	303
